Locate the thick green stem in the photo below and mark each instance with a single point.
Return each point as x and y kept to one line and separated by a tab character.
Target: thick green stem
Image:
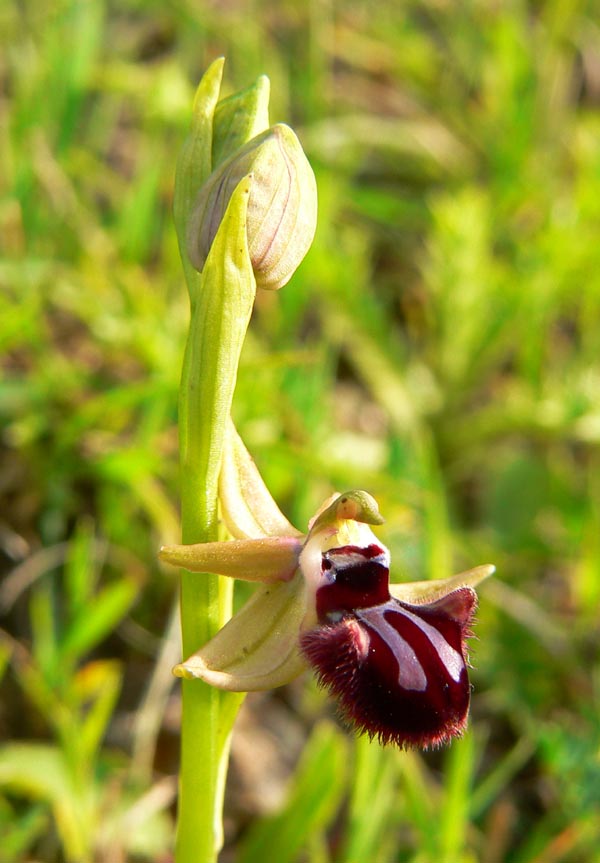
221	307
221	304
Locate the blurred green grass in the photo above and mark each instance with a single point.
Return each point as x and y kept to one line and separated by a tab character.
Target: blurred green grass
439	347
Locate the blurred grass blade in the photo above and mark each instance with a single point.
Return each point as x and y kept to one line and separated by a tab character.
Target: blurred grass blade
94	623
497	780
419	800
80	568
373	810
316	793
44	625
39	772
96	685
454	816
20	831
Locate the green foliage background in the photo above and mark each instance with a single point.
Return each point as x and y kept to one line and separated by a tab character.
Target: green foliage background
439	347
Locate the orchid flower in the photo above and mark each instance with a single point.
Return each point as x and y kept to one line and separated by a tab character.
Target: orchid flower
393	655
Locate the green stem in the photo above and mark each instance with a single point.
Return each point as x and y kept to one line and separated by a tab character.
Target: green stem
221	306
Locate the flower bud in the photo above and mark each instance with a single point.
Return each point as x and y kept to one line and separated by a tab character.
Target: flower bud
282	206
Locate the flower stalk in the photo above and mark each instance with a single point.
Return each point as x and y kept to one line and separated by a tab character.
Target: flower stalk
222	287
221	299
219	317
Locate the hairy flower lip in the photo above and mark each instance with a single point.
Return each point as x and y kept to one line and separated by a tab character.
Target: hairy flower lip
398	670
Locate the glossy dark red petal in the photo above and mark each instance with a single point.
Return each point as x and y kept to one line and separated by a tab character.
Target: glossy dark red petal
398	670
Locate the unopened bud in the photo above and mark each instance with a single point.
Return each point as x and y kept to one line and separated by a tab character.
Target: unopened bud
282	206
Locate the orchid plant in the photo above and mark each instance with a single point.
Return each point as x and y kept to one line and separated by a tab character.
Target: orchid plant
392	655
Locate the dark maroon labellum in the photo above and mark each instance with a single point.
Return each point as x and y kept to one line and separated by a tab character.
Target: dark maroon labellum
398	670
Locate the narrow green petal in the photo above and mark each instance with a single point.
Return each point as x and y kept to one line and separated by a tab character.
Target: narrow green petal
194	163
258	648
248	509
239	118
267	560
429	591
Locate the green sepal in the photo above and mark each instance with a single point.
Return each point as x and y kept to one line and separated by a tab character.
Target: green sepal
258	648
268	560
239	118
194	163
